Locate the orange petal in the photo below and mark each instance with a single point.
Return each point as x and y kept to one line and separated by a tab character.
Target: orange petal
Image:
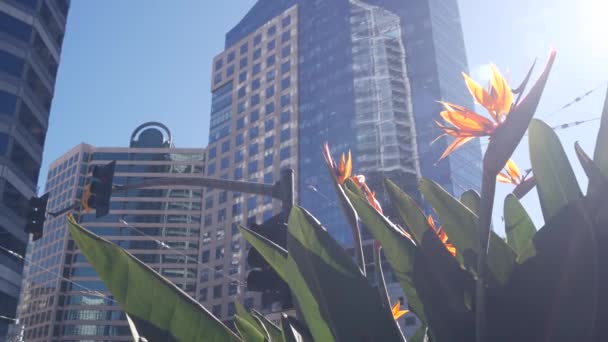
451	249
504	178
480	95
454	145
349	166
397	312
431	222
513	170
467	120
503	93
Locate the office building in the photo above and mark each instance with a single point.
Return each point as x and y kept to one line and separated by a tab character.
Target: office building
77	307
362	75
31	35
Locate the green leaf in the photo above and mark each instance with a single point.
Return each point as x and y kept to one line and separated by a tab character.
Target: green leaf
275	333
420	335
600	156
398	249
471	200
519	228
287	269
293	331
439	279
147	296
556	182
248	331
460	224
335	280
245	315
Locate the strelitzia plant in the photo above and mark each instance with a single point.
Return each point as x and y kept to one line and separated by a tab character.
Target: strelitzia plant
462	280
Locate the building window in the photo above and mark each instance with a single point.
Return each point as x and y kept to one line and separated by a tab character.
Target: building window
257	39
255	84
224	163
216	310
285	100
232	288
243	77
219	271
219	253
222	197
253	149
285	117
208	220
254	132
212	152
243	62
271	60
268	142
221	215
269	91
269	125
231	309
225	146
257	53
238	173
285	83
271	45
217	291
286	51
240	123
268	178
208	202
211	169
204	275
202	295
255	100
256	69
230	70
271	75
285	153
285	67
251	203
239	139
286	21
272	30
244	48
238	156
269	108
219	64
268	159
218	78
205	257
236	209
285	135
285	36
254	116
231	56
242	107
253	167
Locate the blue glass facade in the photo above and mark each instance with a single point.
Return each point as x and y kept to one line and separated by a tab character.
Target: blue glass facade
370	73
31	35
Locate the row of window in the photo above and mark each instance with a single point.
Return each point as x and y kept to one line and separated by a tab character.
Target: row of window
257	40
254	149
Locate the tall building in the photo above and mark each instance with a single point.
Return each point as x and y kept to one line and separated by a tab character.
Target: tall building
362	75
78	306
31	35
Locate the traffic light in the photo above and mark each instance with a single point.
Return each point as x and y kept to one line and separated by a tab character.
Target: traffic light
98	192
36	216
262	278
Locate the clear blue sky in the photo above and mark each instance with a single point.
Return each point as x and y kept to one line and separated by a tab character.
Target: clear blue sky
128	62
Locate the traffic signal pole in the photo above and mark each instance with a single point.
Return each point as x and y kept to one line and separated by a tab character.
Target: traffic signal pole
282	190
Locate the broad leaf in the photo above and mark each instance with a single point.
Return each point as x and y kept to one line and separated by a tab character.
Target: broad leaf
287	269
398	249
386	301
600	156
556	182
248	331
163	310
471	200
335	281
275	333
460	224
293	331
433	281
519	228
247	316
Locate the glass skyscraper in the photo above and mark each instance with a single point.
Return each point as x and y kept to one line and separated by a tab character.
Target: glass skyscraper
369	75
31	35
63	299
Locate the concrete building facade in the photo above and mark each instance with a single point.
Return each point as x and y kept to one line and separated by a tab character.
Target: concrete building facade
63	299
31	36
